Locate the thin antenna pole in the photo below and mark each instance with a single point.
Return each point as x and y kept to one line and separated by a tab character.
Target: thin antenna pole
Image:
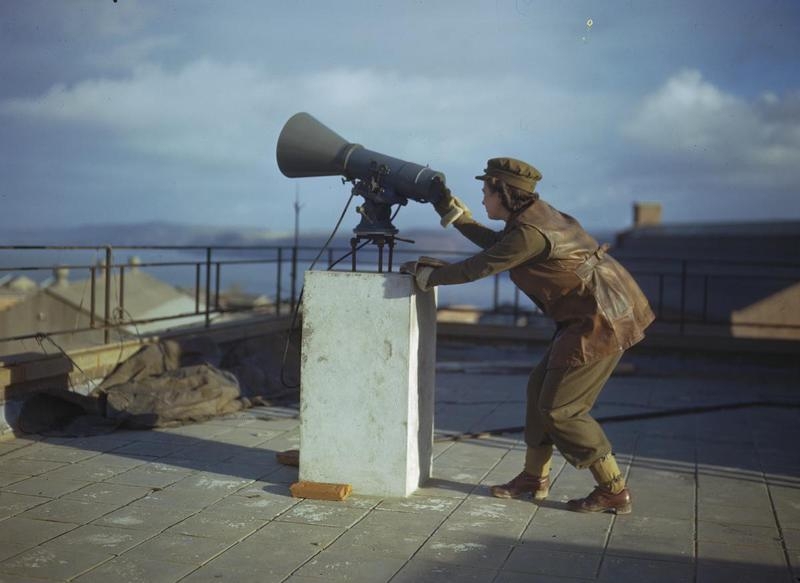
297	207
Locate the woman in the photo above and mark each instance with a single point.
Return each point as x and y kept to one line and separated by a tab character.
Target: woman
599	312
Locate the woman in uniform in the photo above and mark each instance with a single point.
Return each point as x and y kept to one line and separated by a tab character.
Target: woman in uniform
598	309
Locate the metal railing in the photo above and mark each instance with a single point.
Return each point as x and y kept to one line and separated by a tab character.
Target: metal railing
682	291
699	292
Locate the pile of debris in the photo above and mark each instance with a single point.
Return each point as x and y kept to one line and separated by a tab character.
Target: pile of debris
169	383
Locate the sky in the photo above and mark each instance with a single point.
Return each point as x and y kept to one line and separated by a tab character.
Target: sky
136	111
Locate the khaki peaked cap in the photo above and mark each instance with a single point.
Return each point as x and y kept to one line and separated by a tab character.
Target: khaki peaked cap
513	172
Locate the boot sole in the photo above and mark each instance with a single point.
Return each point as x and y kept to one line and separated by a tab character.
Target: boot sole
627	509
537	496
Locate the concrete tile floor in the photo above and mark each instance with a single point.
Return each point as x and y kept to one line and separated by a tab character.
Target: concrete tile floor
716	495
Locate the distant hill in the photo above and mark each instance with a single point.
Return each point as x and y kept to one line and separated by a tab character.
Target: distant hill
152	233
176	234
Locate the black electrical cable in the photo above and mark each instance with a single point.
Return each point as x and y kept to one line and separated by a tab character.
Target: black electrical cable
364	244
300	297
41	337
348	254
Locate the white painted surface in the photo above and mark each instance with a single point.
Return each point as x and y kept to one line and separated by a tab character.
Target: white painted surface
368	373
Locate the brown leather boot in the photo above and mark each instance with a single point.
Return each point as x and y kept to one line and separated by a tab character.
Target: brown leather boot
601	500
523	485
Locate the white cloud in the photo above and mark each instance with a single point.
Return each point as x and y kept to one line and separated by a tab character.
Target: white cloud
230	114
205	112
128	55
722	138
214	126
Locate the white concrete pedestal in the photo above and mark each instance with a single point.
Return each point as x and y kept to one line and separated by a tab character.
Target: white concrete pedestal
368	373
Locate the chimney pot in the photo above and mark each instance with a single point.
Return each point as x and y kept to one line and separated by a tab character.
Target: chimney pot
61	275
646	214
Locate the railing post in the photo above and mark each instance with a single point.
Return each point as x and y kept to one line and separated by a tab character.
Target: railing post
684	276
121	290
278	285
294	277
208	287
197	288
496	294
107	307
216	286
92	295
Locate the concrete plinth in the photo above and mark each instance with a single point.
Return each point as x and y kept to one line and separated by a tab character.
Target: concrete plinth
368	358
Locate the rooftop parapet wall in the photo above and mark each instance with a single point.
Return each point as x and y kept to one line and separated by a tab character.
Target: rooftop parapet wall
22	375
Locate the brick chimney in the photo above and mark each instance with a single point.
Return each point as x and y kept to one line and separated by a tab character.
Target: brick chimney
646	214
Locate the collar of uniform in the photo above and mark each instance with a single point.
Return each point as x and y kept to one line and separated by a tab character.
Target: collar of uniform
513	217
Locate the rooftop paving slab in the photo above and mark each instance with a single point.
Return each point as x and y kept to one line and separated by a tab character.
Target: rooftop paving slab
716	494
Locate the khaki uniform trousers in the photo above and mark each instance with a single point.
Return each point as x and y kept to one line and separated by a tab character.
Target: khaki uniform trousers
559	401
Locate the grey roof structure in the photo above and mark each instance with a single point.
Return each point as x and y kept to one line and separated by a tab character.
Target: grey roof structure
772	241
732	229
18	284
143	293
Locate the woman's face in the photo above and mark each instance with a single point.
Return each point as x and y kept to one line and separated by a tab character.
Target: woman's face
494	206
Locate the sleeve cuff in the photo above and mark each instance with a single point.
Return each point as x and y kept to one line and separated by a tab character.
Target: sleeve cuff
422	277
